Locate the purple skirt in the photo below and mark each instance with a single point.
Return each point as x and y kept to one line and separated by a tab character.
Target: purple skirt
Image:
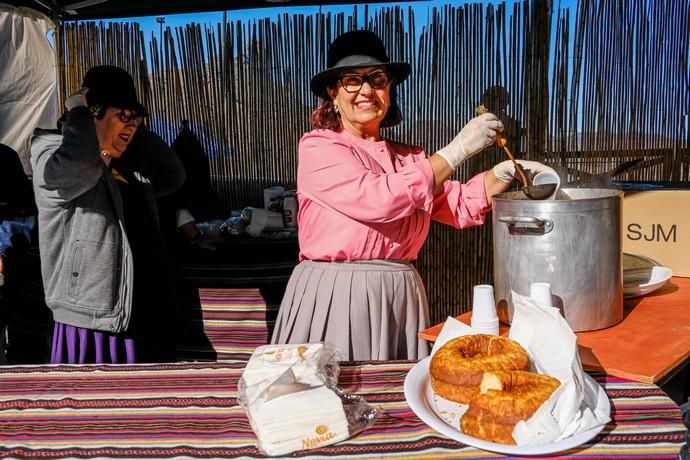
89	346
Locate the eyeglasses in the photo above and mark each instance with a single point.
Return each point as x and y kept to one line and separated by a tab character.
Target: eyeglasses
353	82
127	116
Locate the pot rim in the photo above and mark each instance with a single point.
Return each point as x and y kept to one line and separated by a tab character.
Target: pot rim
517	202
606	193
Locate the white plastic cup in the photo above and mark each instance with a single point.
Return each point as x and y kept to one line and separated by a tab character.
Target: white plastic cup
484	318
547	177
541	292
485	327
483	304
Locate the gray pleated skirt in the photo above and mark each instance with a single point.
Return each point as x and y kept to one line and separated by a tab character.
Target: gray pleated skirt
371	309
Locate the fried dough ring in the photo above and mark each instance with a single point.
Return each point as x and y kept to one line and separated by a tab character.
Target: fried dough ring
483	426
458	366
505	398
462	361
457	393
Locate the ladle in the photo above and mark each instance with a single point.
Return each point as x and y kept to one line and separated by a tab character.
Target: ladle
533	192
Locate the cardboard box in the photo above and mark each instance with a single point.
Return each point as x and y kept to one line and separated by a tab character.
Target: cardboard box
656	224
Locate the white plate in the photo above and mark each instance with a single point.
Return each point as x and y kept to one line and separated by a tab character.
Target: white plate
420	397
641	281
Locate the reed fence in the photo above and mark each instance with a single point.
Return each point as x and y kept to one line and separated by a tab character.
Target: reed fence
583	90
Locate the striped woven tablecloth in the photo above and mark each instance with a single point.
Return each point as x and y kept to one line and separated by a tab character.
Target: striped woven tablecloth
229	325
189	410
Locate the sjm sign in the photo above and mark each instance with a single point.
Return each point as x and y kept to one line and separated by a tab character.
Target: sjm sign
653	232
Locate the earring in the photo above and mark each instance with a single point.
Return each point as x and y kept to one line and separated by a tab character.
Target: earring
336	109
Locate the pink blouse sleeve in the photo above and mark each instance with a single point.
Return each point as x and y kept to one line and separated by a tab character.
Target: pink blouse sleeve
461	205
330	174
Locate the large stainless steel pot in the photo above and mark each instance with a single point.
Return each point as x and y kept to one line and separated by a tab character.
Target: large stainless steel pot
573	243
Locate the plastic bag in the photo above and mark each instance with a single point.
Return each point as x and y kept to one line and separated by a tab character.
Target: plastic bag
312	363
292	400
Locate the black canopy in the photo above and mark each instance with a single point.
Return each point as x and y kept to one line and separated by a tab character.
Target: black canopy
101	9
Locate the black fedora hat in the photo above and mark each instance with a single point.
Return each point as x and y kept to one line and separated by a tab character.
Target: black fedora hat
358	48
111	86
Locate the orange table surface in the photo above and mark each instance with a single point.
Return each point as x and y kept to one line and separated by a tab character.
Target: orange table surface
652	340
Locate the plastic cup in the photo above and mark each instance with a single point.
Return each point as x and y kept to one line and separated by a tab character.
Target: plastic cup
541	292
485	327
547	177
484	318
483	304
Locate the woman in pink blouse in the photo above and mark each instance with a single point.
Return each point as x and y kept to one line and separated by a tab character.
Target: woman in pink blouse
365	206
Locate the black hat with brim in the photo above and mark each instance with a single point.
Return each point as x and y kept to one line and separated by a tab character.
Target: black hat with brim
111	86
352	50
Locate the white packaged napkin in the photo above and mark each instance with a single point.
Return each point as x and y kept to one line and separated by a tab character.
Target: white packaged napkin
292	415
552	345
292	400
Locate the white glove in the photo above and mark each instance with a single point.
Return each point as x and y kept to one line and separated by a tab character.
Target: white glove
505	170
478	134
77	99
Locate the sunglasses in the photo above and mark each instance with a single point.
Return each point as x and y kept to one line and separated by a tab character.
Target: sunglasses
126	116
353	82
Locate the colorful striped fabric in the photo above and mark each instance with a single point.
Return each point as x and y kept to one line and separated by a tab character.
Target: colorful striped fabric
233	324
189	410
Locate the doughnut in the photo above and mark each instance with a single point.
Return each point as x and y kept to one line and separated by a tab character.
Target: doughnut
458	366
505	398
457	393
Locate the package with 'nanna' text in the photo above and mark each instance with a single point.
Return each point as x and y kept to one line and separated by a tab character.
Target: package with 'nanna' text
292	400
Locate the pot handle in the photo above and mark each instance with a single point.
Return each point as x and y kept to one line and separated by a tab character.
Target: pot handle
519	224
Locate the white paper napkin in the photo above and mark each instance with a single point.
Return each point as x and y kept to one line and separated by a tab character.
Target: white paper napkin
452	328
552	346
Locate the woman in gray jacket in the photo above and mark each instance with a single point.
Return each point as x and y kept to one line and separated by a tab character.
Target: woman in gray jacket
98	232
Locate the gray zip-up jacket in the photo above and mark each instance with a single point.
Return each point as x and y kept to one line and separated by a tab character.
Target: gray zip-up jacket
86	260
